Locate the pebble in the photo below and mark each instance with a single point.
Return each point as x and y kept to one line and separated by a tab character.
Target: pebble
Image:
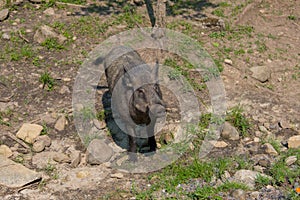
4	14
98	152
219	144
229	132
5	151
60	123
290	160
261	73
228	61
5	36
269	149
117	175
29	132
294	142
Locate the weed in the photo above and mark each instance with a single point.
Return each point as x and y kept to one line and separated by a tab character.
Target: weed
36	61
101	115
292	17
236	117
47	80
52	43
239	52
262	181
218	12
261	46
45	129
79	2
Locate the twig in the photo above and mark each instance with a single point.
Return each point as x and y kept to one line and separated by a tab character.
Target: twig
12	136
6	99
70	4
22	37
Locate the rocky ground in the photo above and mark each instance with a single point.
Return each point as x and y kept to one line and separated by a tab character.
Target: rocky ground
255	44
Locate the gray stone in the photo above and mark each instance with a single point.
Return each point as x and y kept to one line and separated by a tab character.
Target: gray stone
5	151
269	149
60	123
261	73
42	159
290	160
49	11
64	90
15	175
45	32
117	175
62	158
294	142
4	14
246	177
229	132
29	132
239	194
74	155
218	144
45	138
228	61
5	36
38	146
98	152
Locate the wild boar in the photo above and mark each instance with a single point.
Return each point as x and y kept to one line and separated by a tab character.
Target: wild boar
139	98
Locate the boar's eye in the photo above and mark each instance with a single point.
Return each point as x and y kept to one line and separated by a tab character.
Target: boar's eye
155	87
141	92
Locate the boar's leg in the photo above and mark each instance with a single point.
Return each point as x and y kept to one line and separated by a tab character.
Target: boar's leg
132	144
151	137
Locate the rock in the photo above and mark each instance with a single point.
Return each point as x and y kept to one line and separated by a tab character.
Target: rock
60	123
294	142
117	175
255	195
29	132
284	124
98	152
225	177
42	159
168	138
120	161
36	1
264	163
38	146
74	155
259	168
290	160
61	158
47	118
218	144
15	175
49	11
239	194
64	90
229	132
99	124
82	174
5	151
40	143
246	177
45	138
228	61
261	73
5	36
45	32
263	129
2	4
269	149
4	14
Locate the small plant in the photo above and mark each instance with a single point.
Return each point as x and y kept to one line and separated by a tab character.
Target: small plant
47	80
45	129
236	117
292	17
52	43
218	12
100	115
262	181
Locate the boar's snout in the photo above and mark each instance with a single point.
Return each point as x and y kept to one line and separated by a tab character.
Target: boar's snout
157	111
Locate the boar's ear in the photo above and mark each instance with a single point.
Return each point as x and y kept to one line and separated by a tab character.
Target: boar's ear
127	79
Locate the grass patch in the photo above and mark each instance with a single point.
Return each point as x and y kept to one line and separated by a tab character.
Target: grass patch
47	80
52	44
236	117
